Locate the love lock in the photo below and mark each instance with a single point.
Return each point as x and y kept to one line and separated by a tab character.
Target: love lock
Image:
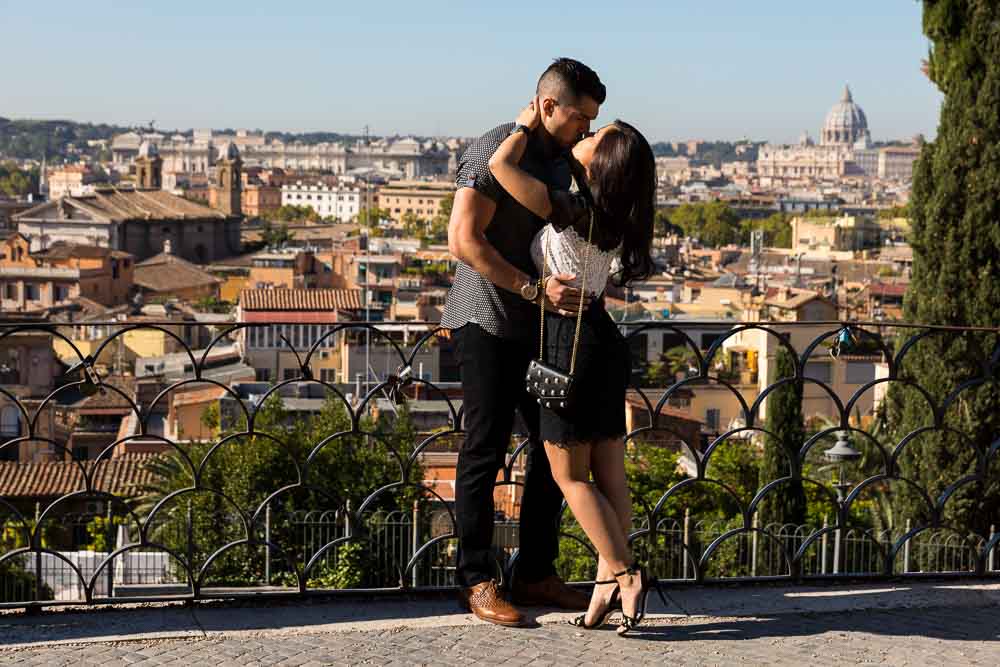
845	342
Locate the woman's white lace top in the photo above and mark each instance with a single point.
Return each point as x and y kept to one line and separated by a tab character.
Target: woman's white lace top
567	252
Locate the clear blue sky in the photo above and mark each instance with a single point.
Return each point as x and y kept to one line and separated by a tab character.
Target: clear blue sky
678	69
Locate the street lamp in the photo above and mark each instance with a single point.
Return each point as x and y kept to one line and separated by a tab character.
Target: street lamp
841	453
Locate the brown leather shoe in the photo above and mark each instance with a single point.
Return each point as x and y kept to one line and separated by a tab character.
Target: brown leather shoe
485	602
550	592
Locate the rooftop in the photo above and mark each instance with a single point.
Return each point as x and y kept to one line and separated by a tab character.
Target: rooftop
281	299
122	476
168	273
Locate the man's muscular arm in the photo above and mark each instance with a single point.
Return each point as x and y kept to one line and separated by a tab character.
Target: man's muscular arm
470	216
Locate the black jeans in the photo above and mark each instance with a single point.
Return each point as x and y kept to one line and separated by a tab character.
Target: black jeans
493	372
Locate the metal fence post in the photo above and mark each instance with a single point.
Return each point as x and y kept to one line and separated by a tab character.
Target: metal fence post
836	547
755	523
991	561
111	548
906	550
824	546
267	544
38	553
415	530
190	548
687	540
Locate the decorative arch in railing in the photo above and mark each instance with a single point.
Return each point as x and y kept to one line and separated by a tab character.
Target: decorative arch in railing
376	523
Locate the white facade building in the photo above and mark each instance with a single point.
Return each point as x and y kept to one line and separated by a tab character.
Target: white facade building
337	201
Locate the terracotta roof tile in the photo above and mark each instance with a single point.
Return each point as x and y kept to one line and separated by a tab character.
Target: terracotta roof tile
64	250
123	477
165	273
121	205
301	299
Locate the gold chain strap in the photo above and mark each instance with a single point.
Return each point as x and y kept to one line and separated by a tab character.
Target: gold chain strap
583	285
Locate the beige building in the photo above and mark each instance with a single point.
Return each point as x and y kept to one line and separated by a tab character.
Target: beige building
895	163
288	269
420	198
73	179
306	316
846	233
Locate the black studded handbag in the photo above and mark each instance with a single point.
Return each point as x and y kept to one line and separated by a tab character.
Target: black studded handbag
555	389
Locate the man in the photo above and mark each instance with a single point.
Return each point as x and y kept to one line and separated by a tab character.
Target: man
494	305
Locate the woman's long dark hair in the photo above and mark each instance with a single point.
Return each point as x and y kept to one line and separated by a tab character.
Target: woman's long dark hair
623	186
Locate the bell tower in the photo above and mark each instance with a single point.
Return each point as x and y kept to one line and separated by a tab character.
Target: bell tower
228	186
148	167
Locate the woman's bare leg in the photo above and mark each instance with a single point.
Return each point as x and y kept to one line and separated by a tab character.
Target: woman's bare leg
607	464
595	514
607	460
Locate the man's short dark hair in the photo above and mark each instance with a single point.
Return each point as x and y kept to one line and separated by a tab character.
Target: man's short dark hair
570	79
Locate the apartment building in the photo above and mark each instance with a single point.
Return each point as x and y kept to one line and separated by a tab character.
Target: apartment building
420	198
63	271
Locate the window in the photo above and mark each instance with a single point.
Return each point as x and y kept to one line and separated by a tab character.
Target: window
818	370
292	373
30	292
328	375
61	292
10	291
712	418
10	422
860	372
115	272
81	453
262	374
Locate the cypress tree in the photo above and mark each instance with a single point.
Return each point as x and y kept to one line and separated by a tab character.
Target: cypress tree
955	209
787	502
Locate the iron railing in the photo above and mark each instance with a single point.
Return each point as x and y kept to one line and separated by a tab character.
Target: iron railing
323	529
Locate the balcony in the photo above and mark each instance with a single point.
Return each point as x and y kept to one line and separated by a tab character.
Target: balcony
350	496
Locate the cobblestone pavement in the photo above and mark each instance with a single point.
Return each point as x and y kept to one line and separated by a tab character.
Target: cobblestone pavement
936	636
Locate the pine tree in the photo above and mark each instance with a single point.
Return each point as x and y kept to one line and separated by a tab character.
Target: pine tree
955	208
786	503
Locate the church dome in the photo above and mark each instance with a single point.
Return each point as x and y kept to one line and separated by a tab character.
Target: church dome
845	124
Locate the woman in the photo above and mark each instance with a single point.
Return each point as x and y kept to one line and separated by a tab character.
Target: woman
615	166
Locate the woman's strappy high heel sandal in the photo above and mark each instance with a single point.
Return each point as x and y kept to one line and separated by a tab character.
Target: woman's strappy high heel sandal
630	623
614	604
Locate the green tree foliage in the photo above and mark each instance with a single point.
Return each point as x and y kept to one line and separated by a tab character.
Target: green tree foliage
713	223
663	226
955	218
272	235
438	231
894	212
294	213
33	139
777	230
246	470
372	217
787	502
15	182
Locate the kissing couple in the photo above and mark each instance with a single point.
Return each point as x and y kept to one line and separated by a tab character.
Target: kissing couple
548	214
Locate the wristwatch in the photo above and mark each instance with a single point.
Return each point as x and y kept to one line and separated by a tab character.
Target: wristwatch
529	290
521	128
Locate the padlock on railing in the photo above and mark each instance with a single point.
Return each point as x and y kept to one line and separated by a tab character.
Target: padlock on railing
845	342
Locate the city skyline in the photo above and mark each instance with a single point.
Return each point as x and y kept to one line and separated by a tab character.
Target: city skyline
676	72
